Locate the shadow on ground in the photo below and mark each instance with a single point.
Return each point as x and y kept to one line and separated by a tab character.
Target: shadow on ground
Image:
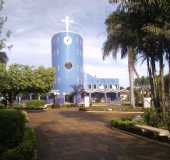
73	135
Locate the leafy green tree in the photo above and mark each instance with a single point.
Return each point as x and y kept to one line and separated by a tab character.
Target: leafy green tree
4	85
42	81
18	81
21	79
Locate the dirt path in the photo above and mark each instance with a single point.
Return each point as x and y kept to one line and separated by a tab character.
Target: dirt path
73	135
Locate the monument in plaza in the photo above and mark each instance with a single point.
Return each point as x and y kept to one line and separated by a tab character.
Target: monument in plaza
67	59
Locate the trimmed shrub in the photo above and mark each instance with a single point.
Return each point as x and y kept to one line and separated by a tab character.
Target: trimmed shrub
25	150
35	104
12	124
124	124
71	105
84	109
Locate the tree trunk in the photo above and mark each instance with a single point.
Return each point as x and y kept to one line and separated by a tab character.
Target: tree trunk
153	94
156	88
142	89
162	86
30	96
131	76
169	81
39	97
11	98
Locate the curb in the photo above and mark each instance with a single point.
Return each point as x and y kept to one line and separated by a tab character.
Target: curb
142	137
115	112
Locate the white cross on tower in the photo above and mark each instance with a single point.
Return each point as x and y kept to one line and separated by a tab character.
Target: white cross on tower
67	21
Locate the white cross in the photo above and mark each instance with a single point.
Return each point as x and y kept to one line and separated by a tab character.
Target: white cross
67	21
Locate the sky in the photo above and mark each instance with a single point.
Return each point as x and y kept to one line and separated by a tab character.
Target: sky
34	22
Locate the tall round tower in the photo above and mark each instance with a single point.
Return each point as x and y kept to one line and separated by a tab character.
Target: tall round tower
67	59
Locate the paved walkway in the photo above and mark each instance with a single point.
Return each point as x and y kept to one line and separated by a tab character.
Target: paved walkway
73	135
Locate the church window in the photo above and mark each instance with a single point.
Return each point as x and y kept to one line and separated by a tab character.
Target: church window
68	65
94	86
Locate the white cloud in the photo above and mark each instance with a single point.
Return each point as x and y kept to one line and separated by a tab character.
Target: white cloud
33	22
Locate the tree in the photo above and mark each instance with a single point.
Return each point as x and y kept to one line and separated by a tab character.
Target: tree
4	82
77	89
42	81
151	23
153	43
122	38
3	19
3	57
22	79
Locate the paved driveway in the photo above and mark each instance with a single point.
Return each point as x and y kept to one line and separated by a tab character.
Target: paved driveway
73	135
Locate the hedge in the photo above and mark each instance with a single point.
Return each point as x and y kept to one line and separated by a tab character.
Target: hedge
64	105
129	125
124	124
35	104
26	150
12	125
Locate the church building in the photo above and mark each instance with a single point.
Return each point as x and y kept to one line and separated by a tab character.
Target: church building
67	59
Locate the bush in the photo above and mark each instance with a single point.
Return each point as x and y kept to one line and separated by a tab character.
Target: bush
71	105
2	107
167	117
124	124
12	124
35	104
26	150
151	117
127	108
84	109
157	119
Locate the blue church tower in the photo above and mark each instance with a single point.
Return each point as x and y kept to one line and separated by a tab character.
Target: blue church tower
67	59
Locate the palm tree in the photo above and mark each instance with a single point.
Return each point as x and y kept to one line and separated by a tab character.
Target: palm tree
3	57
121	38
150	22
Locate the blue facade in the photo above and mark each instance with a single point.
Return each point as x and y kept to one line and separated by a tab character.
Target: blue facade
67	59
94	84
105	89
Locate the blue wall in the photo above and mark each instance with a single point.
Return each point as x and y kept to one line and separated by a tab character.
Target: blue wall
90	80
67	59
